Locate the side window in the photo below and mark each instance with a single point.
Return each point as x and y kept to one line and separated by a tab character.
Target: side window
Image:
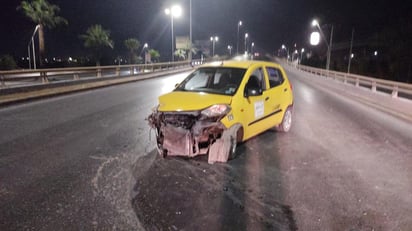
259	74
275	77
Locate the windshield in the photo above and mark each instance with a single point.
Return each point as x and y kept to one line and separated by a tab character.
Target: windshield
217	80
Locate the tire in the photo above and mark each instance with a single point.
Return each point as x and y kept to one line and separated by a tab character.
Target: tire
286	123
159	146
233	147
162	152
234	142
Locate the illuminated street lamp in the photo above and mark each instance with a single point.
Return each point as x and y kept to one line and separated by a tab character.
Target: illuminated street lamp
174	12
287	51
301	54
237	38
314	38
295	53
145	46
252	45
214	40
246	36
329	45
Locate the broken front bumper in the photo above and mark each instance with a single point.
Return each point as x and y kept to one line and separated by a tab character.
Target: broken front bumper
185	133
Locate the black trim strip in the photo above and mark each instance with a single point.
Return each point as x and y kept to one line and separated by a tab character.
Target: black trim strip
271	114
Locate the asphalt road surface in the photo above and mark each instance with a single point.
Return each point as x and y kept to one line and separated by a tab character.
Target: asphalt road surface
86	161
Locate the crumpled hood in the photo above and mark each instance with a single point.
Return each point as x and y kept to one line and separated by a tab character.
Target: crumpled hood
190	101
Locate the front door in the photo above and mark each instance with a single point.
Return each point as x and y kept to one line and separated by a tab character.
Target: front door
256	109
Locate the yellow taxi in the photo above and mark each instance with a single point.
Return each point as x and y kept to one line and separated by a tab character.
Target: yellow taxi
220	105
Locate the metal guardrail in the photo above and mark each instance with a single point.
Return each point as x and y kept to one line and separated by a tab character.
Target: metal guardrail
17	78
396	89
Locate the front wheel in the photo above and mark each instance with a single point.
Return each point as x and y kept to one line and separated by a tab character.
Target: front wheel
159	144
162	152
232	149
286	121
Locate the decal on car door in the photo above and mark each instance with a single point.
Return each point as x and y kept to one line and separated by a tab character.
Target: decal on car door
259	109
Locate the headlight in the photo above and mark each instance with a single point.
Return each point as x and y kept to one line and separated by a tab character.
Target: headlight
217	110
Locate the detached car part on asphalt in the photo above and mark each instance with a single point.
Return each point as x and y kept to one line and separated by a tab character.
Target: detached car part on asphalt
219	105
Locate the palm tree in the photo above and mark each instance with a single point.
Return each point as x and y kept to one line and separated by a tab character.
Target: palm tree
43	14
132	45
97	38
154	54
180	53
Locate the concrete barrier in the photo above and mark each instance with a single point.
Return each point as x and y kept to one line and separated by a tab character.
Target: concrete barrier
18	94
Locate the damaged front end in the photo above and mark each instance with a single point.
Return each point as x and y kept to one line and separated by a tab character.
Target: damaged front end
188	133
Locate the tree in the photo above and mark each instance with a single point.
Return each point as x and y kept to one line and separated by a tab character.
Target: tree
7	62
132	45
180	53
97	38
154	55
43	14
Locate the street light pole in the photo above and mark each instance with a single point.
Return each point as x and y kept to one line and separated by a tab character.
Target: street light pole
229	47
237	38
214	39
34	54
145	52
28	48
246	36
190	30
28	51
329	49
287	52
173	37
350	50
175	11
251	49
301	54
329	45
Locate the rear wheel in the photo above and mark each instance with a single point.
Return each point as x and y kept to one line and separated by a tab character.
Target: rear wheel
286	121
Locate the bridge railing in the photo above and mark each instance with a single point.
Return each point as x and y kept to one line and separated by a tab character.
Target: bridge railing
16	78
396	89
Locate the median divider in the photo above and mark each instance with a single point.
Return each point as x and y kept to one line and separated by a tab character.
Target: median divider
18	94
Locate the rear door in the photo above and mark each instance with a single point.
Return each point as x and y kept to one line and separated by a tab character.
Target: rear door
277	96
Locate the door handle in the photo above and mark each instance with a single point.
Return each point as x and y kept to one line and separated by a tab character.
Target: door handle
267	98
285	90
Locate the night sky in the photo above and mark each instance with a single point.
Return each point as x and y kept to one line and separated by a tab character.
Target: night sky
270	23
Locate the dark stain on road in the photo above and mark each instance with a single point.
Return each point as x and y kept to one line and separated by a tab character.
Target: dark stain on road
189	194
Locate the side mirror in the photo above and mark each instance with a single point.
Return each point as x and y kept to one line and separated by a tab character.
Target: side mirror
253	91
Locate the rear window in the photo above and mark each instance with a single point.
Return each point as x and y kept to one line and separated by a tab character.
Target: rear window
275	77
